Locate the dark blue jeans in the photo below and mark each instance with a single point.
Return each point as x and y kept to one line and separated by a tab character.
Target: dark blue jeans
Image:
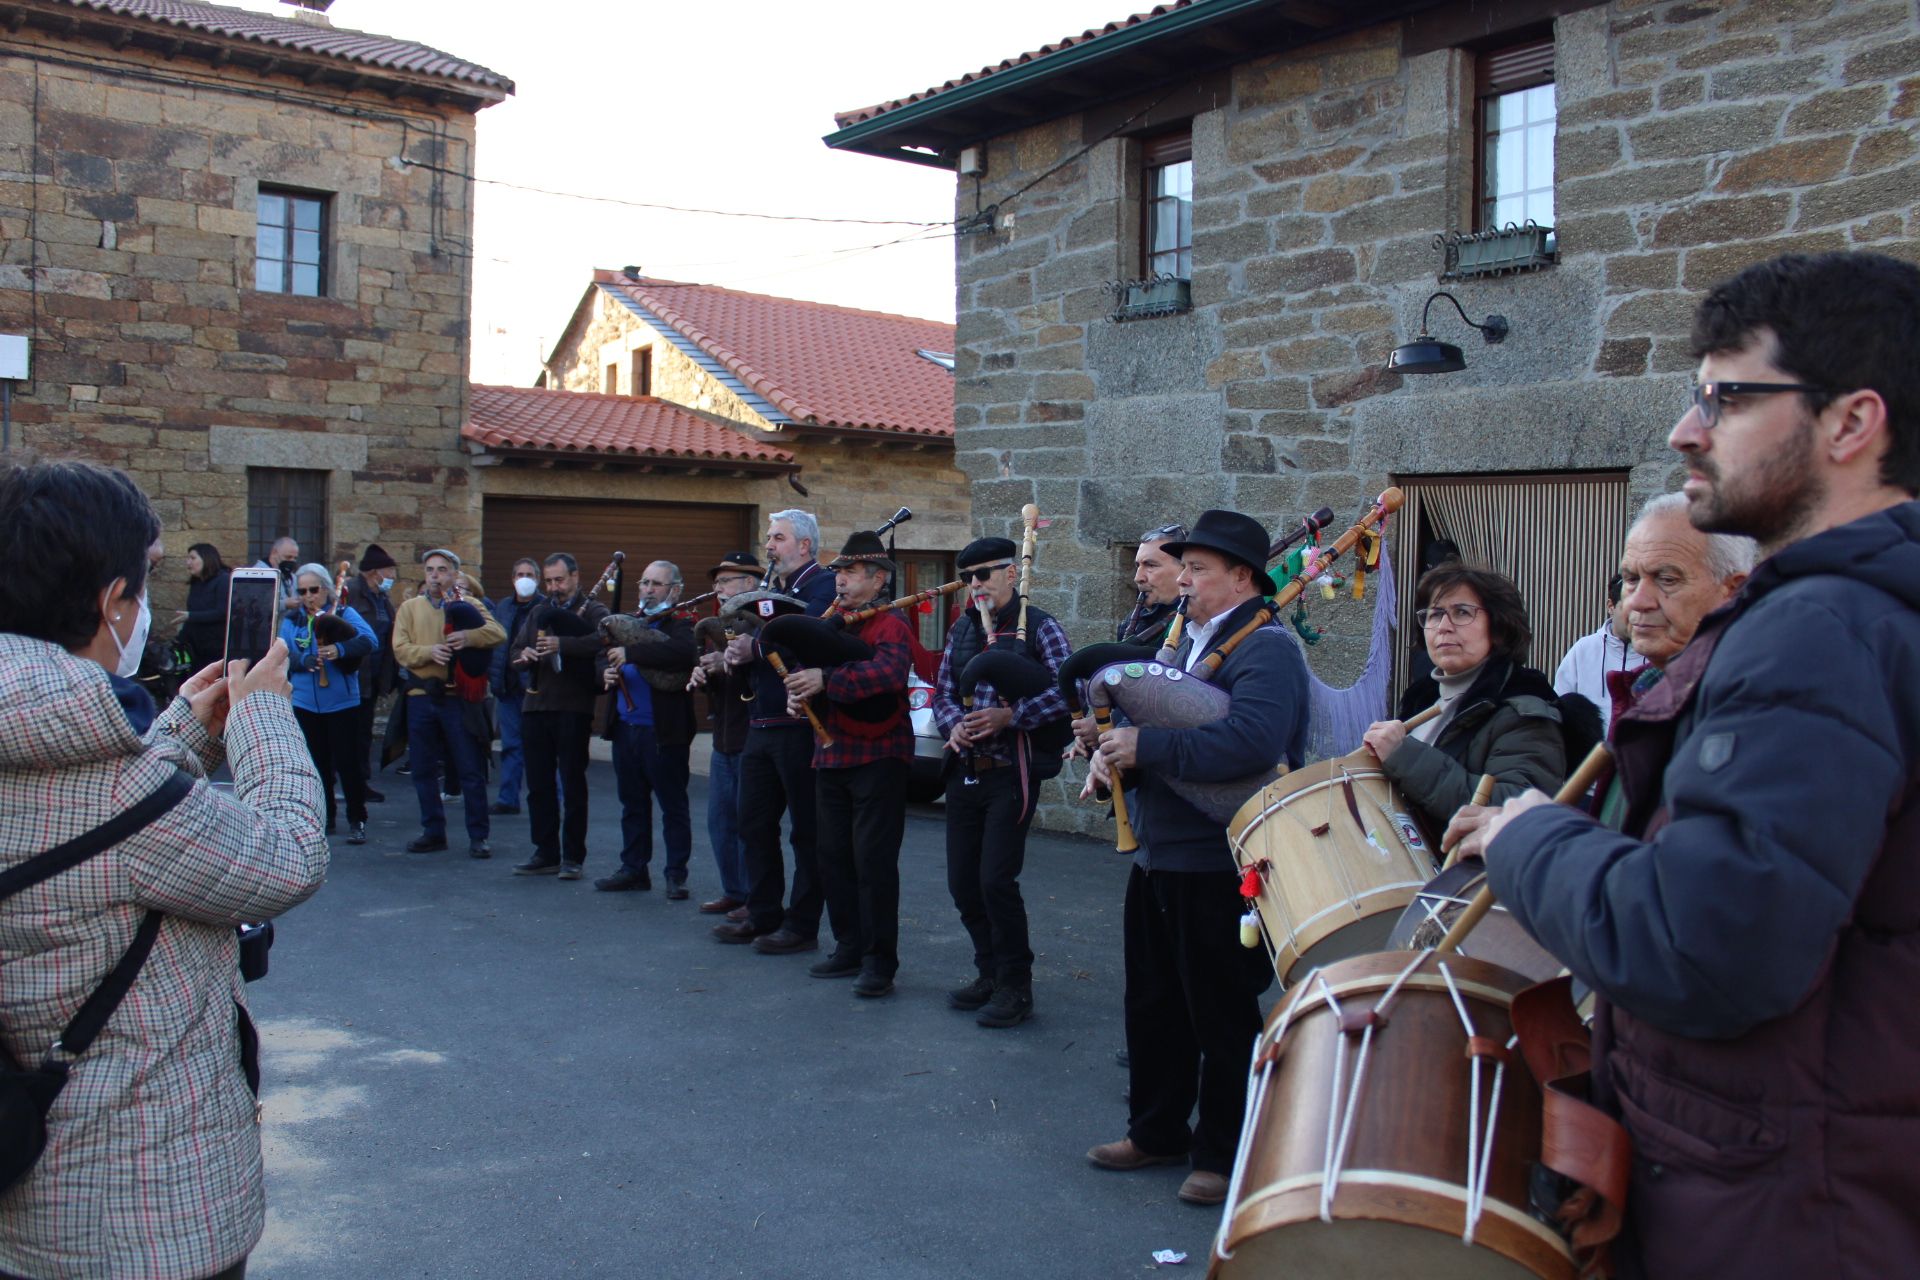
506	713
647	771
436	728
723	823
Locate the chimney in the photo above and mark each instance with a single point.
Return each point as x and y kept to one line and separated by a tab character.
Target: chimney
312	13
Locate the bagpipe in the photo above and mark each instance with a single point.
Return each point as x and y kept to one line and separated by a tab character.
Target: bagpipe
1156	693
330	628
467	673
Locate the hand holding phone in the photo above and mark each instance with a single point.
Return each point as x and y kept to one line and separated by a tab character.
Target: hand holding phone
253	615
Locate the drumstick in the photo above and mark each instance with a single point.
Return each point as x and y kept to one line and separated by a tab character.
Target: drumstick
1574	787
1481	794
820	733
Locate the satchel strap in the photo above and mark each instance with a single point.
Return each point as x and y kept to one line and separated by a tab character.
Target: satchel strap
99	1006
65	857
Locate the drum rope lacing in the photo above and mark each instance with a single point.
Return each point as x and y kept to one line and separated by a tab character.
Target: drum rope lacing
1256	1097
1479	1150
1339	1117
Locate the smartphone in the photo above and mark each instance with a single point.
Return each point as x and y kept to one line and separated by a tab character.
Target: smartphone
253	614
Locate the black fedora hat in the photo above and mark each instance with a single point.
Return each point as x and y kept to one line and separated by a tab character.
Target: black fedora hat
1234	536
863	547
737	562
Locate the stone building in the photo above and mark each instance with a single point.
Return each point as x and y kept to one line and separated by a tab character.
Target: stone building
769	395
240	248
1190	240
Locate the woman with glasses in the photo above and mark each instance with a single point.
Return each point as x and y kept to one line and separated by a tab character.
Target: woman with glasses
1497	716
326	697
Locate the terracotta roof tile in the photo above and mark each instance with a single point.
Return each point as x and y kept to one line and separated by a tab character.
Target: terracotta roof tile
338	42
821	365
535	419
846	119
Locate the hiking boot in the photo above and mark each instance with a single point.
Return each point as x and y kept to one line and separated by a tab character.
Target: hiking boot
1009	1007
971	996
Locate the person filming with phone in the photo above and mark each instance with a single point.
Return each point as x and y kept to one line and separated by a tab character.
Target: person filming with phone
151	1161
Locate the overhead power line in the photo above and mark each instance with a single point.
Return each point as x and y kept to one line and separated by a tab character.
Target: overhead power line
674	208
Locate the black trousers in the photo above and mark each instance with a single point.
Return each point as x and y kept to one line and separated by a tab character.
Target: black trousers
363	736
862	817
1193	1013
776	774
555	742
332	742
987	825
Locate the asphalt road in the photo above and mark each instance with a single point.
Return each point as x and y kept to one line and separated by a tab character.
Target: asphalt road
470	1073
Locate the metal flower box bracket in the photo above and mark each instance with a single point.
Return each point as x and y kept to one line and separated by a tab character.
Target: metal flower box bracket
1154	296
1493	253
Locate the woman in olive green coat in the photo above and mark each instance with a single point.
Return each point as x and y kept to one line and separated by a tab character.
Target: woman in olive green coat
1496	717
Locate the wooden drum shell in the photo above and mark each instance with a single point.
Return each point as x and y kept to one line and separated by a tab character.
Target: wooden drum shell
1326	891
1399	1205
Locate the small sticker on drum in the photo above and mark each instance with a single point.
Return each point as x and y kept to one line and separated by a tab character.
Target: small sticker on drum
1135	669
1173	674
1112	676
1154	669
1409	833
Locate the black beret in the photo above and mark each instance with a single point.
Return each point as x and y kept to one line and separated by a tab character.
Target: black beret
985	551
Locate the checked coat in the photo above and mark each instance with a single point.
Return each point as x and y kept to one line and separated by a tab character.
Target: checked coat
152	1166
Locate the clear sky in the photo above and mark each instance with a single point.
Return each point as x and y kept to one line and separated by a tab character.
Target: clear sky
717	104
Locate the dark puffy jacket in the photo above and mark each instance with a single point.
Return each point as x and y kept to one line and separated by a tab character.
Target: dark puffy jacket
377	674
205	630
1507	725
1758	950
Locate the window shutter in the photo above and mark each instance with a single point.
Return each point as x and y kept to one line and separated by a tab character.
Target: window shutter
1520	66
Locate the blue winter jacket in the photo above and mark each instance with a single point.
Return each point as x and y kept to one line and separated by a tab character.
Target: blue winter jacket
342	690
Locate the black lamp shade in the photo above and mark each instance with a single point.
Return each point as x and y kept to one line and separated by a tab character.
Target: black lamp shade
1424	355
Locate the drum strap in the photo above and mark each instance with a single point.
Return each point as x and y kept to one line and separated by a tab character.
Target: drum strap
1579	1142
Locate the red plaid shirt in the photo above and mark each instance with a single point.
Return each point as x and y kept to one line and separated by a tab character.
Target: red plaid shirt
858	742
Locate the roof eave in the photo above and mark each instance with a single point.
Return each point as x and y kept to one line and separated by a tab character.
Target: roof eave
258	57
904	133
616	458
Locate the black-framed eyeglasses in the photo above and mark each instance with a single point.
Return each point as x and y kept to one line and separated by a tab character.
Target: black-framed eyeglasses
981	573
1459	614
1167	533
1708	397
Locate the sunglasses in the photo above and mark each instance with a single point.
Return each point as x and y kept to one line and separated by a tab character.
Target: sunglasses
1709	397
313	591
983	572
1167	533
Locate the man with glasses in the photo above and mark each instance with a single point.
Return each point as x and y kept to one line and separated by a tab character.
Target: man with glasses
776	763
556	716
992	781
727	698
653	735
1753	927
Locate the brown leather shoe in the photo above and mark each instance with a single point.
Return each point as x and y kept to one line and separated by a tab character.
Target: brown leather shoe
1204	1187
738	914
784	942
1124	1157
739	931
720	906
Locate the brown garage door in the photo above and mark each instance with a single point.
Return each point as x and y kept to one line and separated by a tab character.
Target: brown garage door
693	536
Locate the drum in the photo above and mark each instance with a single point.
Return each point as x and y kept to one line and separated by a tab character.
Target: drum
1497	939
1387	1124
1339	857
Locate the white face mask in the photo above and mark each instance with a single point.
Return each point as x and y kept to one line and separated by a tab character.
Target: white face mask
525	587
136	644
